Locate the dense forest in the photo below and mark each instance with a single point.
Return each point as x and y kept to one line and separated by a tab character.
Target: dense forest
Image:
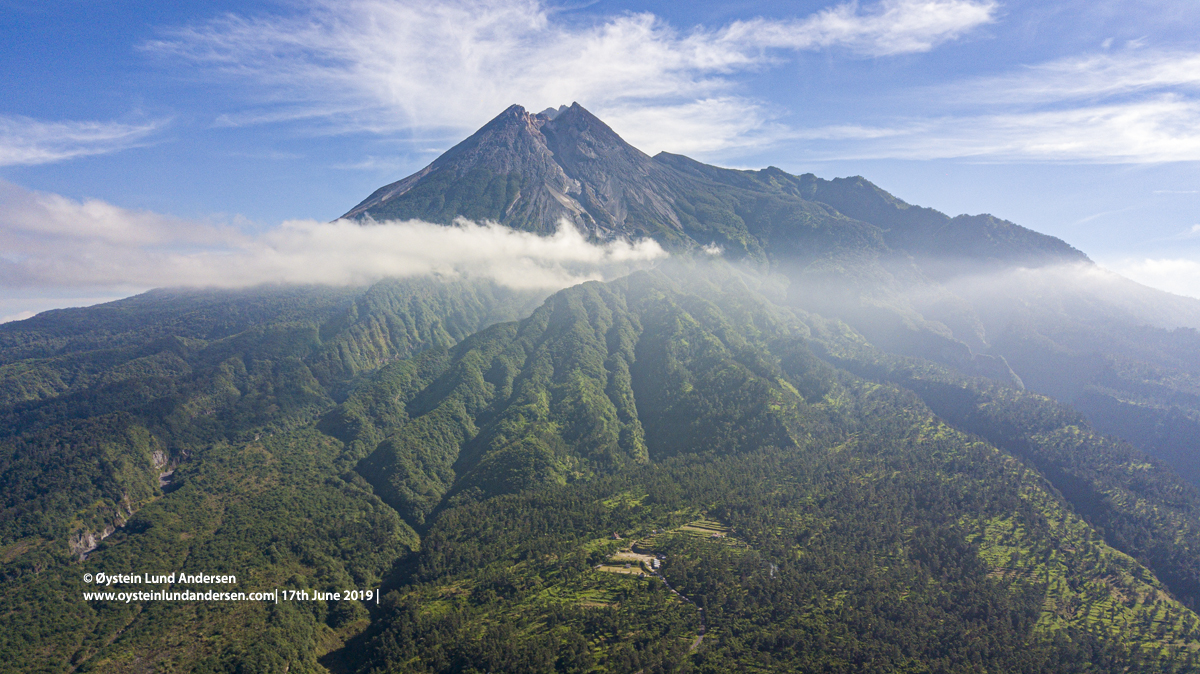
815	503
834	432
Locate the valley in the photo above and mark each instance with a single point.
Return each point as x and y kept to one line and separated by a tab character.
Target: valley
833	432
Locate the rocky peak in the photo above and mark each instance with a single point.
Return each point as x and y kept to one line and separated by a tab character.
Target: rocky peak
532	171
576	135
512	140
528	171
551	113
510	144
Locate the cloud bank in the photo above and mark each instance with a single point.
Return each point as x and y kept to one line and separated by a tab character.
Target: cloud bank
26	141
48	241
393	66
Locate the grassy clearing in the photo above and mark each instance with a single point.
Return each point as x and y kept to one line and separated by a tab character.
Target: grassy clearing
632	570
706	527
639	555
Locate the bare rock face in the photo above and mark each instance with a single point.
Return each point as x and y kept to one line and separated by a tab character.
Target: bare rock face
615	179
84	541
532	172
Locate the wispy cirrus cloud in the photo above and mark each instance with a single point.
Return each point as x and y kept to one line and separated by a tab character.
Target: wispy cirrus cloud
1188	234
26	141
1089	76
399	65
696	127
49	241
1165	128
1132	107
887	28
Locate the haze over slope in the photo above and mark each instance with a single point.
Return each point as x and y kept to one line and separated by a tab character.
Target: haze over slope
974	292
816	416
320	439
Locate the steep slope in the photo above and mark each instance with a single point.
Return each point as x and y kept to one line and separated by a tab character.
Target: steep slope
743	423
606	376
172	428
479	483
926	234
530	172
552	400
122	395
855	268
974	292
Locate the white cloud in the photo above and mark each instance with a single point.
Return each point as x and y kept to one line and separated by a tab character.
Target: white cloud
890	27
1090	76
26	141
19	306
1131	107
387	66
1192	232
372	163
391	65
696	128
1134	106
19	316
49	241
31	222
1161	129
1177	275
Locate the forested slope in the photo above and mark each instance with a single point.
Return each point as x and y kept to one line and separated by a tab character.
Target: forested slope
867	512
976	293
85	431
836	432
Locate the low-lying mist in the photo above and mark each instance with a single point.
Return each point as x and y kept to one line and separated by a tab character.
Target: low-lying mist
1080	289
50	242
47	240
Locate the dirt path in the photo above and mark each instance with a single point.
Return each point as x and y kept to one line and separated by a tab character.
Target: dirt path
703	627
644	561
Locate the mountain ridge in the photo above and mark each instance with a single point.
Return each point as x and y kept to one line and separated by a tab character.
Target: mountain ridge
527	169
977	293
853	435
533	171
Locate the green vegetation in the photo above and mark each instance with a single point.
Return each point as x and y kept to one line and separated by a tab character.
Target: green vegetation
834	454
813	512
976	293
863	556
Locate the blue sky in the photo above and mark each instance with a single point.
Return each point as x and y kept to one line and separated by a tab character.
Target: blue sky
135	136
